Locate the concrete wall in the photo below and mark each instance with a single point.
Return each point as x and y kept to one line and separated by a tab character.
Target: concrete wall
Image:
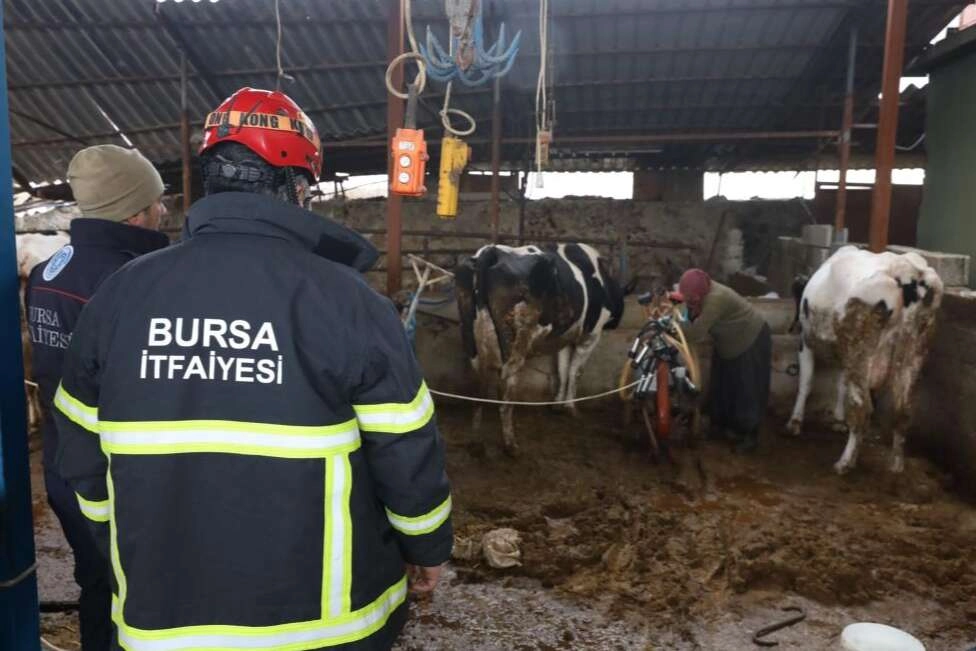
660	238
948	218
946	418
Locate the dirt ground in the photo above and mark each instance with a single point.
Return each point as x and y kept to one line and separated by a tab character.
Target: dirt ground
619	553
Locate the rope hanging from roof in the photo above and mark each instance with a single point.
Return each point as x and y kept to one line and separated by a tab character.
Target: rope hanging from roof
281	71
543	113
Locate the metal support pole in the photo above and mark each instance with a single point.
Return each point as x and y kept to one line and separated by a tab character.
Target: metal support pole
394	120
185	135
496	156
888	123
840	218
19	628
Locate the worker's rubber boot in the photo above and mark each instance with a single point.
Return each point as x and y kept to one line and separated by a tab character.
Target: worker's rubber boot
721	433
748	442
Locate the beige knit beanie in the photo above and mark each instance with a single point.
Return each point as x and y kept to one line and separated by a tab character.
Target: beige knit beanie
111	182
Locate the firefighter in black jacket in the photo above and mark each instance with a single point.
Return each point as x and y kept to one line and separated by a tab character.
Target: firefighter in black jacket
245	420
118	192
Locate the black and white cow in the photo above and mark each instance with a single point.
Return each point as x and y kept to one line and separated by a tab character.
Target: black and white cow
874	314
516	303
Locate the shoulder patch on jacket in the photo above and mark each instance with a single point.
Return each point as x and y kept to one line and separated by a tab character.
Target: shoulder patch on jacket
58	262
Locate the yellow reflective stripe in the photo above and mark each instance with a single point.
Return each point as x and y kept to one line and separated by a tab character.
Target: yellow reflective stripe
116	560
347	628
230	437
337	550
422	523
396	418
97	511
77	411
347	547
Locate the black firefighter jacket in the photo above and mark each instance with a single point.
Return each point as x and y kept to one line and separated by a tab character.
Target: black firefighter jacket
244	419
57	290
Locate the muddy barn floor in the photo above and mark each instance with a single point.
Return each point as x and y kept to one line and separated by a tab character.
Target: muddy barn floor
618	553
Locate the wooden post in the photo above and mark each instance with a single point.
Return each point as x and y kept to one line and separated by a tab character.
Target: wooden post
394	120
185	136
840	217
496	155
888	123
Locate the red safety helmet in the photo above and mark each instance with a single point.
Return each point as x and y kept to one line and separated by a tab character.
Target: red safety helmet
270	124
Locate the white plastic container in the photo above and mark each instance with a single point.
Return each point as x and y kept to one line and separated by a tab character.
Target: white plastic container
865	636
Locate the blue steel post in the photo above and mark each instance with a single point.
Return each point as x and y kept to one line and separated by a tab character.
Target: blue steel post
19	628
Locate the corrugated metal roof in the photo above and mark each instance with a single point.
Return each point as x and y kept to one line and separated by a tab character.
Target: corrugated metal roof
618	67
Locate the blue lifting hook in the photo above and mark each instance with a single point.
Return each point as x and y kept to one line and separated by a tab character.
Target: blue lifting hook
468	60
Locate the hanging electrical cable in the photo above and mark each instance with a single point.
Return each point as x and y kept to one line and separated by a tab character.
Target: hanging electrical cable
447	111
543	119
912	146
281	70
413	54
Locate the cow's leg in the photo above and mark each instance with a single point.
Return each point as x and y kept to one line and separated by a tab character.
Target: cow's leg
807	367
581	354
510	383
488	387
858	409
898	444
563	358
477	417
839	420
523	331
902	387
479	410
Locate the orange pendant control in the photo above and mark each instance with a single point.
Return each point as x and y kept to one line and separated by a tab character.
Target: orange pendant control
409	152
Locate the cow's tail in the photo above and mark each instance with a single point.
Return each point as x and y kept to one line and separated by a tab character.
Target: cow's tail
799	285
486	259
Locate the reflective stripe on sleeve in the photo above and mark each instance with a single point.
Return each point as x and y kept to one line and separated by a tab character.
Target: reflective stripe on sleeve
421	524
230	437
96	511
337	561
326	632
397	418
77	411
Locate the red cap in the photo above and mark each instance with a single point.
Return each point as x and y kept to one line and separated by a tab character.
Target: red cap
694	284
271	125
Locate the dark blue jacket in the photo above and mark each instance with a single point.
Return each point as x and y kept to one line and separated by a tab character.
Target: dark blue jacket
250	418
57	290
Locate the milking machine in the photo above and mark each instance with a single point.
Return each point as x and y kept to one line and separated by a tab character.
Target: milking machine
666	369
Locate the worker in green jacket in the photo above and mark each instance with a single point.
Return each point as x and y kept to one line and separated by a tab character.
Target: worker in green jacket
741	358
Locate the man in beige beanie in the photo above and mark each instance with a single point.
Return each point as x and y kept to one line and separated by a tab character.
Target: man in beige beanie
119	193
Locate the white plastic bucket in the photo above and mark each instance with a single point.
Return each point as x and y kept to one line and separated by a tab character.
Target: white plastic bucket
866	636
